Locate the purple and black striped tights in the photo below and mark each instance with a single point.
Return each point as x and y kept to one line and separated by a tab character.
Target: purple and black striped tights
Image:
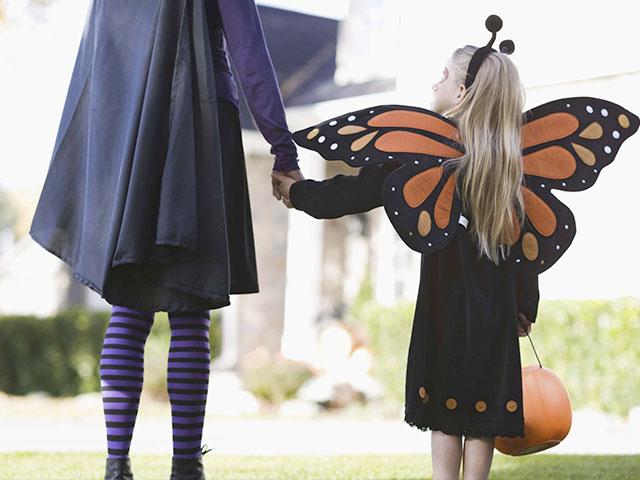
121	376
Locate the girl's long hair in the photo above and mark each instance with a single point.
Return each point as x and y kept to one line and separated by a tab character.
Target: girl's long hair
489	174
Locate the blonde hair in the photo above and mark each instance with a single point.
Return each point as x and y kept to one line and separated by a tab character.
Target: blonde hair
489	174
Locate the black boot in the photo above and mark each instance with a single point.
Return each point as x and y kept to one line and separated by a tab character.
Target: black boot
118	469
188	468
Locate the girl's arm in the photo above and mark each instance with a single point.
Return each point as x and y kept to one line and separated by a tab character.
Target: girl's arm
528	295
342	194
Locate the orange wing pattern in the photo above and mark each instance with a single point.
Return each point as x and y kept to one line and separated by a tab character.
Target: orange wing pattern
566	143
371	135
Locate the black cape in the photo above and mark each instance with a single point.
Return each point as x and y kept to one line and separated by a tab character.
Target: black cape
134	197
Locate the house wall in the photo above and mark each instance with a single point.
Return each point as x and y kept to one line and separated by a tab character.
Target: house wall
260	316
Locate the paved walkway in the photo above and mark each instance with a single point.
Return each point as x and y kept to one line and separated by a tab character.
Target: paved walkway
24	427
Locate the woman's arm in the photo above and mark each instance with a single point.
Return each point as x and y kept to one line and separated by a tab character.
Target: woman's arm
249	53
342	194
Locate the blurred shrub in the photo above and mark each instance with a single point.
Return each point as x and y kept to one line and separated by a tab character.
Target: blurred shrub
275	378
593	346
8	213
60	354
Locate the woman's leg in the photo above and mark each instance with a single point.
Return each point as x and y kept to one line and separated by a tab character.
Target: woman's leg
188	379
478	454
446	453
121	375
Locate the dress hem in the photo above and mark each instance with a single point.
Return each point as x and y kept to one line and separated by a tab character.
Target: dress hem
476	432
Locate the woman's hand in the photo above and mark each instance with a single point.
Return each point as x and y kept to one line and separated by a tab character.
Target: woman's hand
524	325
282	183
294	174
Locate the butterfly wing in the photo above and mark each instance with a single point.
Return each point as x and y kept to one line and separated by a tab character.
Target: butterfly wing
419	197
548	231
566	143
422	204
381	133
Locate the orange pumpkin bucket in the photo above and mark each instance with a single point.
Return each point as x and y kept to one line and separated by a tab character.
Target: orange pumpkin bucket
546	408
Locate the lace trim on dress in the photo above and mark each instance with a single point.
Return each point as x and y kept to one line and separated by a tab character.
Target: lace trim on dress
491	430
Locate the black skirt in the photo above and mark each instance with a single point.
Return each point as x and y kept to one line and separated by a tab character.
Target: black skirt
463	370
146	194
240	242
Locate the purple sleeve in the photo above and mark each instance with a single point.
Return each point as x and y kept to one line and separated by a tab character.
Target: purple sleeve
248	51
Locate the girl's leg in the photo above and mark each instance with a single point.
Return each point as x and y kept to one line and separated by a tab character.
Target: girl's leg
188	379
446	453
121	375
478	454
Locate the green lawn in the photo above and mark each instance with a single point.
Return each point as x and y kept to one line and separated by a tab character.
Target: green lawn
538	466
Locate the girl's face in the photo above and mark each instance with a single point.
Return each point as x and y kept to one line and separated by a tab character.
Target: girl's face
446	94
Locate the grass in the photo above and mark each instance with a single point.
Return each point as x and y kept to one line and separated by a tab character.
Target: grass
63	466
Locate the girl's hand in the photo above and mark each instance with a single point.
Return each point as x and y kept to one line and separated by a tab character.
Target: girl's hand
283	184
524	325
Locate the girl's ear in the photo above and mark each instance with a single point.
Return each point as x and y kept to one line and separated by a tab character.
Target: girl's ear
460	92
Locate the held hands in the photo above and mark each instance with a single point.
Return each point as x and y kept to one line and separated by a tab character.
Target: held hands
524	325
281	183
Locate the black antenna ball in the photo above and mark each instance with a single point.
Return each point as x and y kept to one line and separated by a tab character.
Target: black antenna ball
507	46
493	23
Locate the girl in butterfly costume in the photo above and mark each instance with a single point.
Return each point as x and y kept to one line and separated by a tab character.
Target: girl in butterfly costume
467	183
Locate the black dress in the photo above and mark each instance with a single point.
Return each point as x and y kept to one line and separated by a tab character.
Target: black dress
146	194
463	372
